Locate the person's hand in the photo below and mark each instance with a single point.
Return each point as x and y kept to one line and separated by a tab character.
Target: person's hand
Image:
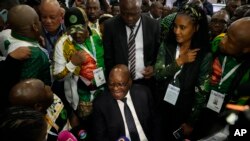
148	72
42	41
78	58
21	53
187	129
187	57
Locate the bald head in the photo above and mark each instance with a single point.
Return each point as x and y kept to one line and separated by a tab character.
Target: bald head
22	18
51	15
120	70
240	30
54	3
32	93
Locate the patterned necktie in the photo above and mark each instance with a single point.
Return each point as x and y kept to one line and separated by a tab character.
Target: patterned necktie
130	122
131	52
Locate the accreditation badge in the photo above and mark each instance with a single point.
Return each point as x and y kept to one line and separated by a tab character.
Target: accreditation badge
99	77
215	101
172	94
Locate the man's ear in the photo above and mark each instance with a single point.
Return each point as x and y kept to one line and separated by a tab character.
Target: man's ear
62	12
34	27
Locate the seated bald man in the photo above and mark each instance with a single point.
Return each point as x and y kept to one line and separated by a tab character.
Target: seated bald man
109	115
35	94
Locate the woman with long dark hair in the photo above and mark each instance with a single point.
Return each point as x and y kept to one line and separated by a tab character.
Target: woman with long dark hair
178	66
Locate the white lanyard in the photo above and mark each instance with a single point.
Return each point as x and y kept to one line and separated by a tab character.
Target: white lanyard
93	46
82	47
176	56
229	73
176	74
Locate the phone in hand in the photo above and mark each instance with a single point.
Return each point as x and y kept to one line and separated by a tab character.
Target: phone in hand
178	134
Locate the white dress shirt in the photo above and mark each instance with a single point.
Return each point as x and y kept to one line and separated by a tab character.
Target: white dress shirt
137	122
139	61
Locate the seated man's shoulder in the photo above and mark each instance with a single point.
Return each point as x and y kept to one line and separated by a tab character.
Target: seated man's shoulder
141	88
104	97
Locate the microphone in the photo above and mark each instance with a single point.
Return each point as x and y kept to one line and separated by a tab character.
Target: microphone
66	136
123	138
82	134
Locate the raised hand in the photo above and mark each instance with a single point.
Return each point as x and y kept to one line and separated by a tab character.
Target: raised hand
78	58
187	57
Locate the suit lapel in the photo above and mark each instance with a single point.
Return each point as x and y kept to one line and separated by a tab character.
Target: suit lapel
122	36
144	33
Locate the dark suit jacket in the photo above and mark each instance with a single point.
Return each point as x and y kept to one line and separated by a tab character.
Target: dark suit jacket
107	119
115	41
10	69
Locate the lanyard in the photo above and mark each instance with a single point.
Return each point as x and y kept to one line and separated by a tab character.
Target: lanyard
223	79
135	34
93	46
176	74
176	56
51	123
82	47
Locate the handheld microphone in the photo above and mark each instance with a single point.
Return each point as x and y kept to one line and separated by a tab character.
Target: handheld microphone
123	138
66	136
82	134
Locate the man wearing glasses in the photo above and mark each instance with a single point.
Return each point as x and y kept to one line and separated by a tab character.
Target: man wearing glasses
111	110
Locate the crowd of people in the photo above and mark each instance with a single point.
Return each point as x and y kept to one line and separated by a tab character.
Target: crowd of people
134	70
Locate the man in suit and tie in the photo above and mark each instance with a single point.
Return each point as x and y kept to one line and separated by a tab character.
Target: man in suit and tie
132	38
124	110
155	11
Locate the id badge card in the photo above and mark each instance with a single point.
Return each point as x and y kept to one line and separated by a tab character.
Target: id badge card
99	77
215	101
172	94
